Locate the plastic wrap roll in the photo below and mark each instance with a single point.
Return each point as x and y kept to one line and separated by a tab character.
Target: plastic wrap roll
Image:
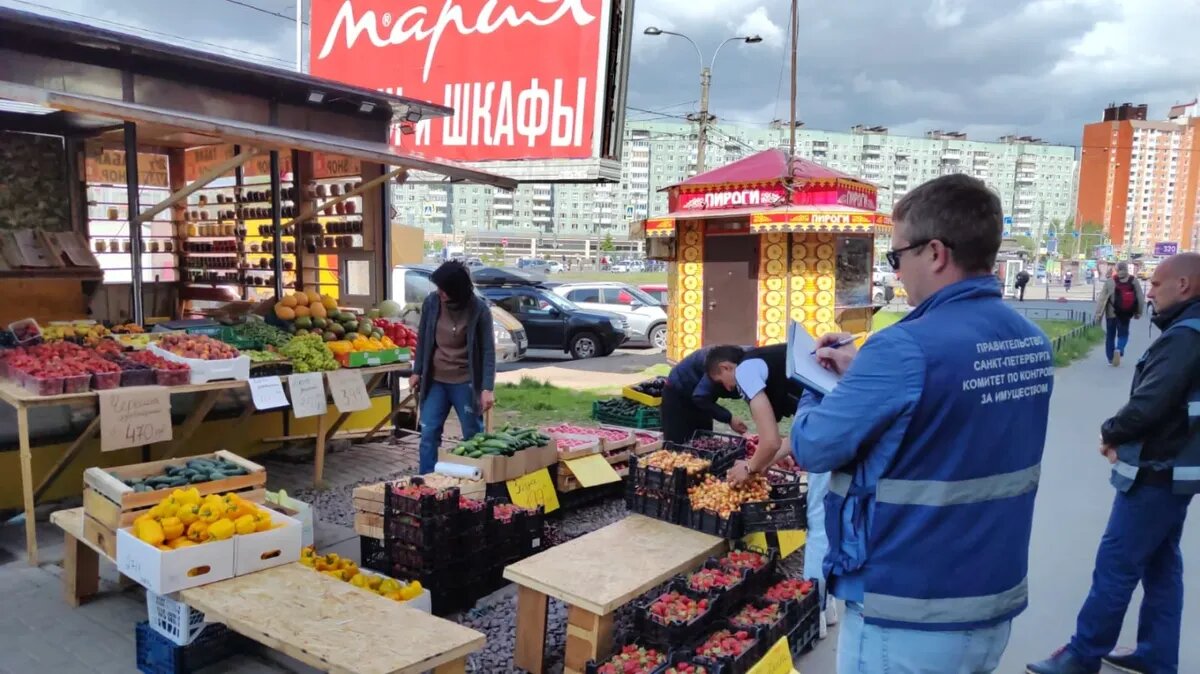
457	470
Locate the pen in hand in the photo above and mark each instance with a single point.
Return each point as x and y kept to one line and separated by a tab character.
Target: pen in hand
838	344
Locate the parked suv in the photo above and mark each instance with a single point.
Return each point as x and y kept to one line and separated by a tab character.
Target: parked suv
551	321
644	315
410	287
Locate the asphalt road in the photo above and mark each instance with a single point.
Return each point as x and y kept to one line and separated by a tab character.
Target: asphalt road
625	360
1072	510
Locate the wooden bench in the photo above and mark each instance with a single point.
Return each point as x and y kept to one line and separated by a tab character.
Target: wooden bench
322	622
595	575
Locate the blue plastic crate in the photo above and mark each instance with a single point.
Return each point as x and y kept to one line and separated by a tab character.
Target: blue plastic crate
156	654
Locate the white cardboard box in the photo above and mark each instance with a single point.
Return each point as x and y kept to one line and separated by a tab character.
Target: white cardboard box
164	572
274	547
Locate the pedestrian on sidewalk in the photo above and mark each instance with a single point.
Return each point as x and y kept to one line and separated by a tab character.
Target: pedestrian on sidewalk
455	363
1155	452
1022	281
1121	300
689	401
1067	281
935	456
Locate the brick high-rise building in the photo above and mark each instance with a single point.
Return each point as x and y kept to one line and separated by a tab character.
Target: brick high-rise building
1140	178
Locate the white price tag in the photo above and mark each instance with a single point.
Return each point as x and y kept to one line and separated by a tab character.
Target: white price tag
308	394
348	390
135	416
267	393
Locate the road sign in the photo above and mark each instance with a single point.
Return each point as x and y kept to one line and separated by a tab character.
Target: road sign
1165	248
1008	220
427	210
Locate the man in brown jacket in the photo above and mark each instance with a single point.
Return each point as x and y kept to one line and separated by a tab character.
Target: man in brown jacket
1121	300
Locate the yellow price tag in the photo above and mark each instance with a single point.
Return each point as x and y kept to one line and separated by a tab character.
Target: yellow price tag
756	540
533	490
778	660
791	541
592	470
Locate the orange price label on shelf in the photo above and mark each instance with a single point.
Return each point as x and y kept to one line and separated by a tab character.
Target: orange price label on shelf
533	490
778	660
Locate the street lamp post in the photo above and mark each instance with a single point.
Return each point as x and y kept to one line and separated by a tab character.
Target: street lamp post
705	83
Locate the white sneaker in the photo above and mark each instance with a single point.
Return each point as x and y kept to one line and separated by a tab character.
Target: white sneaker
823	630
831	612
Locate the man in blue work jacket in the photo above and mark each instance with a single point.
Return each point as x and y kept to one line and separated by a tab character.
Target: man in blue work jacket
934	437
1154	445
689	401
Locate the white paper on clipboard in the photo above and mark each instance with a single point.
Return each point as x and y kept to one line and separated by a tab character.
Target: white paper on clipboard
803	367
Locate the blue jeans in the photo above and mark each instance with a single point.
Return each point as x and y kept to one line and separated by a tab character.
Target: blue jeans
1141	544
439	398
872	649
1118	329
817	546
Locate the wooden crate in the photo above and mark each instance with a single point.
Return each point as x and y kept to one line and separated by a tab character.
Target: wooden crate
111	503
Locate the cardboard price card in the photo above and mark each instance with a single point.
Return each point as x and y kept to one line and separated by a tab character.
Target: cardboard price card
135	416
593	470
348	390
267	393
778	660
308	394
533	490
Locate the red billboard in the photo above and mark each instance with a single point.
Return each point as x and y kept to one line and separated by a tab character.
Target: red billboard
528	79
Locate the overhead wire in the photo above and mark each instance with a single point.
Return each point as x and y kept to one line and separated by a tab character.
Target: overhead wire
263	10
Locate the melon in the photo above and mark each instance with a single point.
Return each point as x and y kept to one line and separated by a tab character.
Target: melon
390	309
301	298
329	302
302	311
288	301
284	313
317	309
314	297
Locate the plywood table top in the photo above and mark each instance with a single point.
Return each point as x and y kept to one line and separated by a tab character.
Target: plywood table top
332	625
605	569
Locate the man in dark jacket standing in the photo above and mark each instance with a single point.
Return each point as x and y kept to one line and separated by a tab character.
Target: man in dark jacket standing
1154	447
690	401
1022	281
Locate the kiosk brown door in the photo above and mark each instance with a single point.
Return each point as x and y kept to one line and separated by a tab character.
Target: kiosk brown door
731	290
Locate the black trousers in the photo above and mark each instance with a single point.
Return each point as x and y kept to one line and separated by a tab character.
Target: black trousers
680	418
1021	292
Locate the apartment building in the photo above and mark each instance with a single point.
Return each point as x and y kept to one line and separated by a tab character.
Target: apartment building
1140	177
1034	179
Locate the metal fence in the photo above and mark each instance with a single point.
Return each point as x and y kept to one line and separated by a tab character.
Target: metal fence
1084	318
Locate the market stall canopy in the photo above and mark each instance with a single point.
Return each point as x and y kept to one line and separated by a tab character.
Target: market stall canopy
186	129
770	192
48	36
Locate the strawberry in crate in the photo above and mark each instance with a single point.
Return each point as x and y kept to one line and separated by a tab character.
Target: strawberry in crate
786	590
743	559
705	580
673	607
726	644
687	668
633	659
751	616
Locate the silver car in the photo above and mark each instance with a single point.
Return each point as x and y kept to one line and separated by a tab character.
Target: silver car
645	318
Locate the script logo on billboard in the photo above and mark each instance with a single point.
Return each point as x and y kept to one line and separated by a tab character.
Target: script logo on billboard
766	197
855	199
527	79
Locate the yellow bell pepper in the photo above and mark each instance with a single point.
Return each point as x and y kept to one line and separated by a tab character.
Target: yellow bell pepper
244	525
197	531
169	508
191	496
156	512
149	531
181	543
172	528
359	580
387	342
221	530
188	514
262	521
335	574
209	513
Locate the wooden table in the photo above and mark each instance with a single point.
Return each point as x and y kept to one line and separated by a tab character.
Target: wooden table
320	621
595	575
23	401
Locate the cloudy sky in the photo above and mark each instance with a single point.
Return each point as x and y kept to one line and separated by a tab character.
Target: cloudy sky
986	67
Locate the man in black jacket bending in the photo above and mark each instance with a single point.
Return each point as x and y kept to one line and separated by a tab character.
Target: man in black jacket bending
1153	443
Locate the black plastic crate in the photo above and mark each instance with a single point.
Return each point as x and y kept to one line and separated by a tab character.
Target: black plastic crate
732	665
660	506
789	617
686	656
808	603
593	667
731	445
531	532
775	515
157	654
786	484
676	481
710	522
470	517
429	558
373	555
725	599
443	503
424	532
674	635
805	633
757	580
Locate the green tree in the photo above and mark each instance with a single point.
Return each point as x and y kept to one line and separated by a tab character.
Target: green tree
607	244
1091	234
495	256
1027	243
